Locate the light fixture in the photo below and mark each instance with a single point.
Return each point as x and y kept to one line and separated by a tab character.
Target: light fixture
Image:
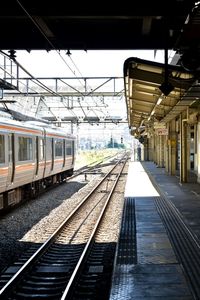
12	54
166	88
68	52
131	88
159	100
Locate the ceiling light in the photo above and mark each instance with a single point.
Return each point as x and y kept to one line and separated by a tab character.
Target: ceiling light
166	88
68	52
159	100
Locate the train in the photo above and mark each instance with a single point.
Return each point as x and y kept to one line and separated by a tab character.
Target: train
33	156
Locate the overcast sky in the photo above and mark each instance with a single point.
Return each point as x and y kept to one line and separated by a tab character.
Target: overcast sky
81	63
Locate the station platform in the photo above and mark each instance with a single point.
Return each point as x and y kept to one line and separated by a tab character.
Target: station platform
158	252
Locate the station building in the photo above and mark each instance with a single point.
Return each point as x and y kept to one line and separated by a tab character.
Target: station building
164	115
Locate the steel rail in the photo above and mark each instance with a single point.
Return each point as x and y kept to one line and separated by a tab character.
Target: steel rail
88	246
19	274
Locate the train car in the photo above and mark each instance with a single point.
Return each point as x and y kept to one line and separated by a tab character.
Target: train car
33	156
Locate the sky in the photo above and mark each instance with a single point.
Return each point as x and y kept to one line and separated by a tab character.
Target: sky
96	63
81	63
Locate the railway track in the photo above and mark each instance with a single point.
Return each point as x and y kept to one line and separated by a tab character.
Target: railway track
92	168
58	265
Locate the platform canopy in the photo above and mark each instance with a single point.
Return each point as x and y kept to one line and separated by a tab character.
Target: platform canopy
156	92
62	25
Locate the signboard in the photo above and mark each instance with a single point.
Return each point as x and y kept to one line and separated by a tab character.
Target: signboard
157	125
162	131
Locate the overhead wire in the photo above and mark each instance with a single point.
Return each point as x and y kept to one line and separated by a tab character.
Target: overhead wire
39	83
92	91
89	93
51	44
53	47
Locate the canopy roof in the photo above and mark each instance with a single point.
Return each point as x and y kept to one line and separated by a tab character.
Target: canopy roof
48	25
156	93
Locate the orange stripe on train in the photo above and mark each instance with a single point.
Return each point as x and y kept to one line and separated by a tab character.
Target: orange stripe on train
12	128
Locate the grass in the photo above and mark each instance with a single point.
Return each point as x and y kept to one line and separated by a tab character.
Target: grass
87	157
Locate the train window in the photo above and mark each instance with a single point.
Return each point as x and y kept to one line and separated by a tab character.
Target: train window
9	148
68	147
73	151
73	148
25	148
58	148
41	149
2	149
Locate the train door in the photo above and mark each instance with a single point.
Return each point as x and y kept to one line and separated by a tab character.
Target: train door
11	159
73	151
64	154
52	154
44	151
40	157
37	155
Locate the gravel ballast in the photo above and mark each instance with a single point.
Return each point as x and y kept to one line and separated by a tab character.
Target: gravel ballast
30	223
